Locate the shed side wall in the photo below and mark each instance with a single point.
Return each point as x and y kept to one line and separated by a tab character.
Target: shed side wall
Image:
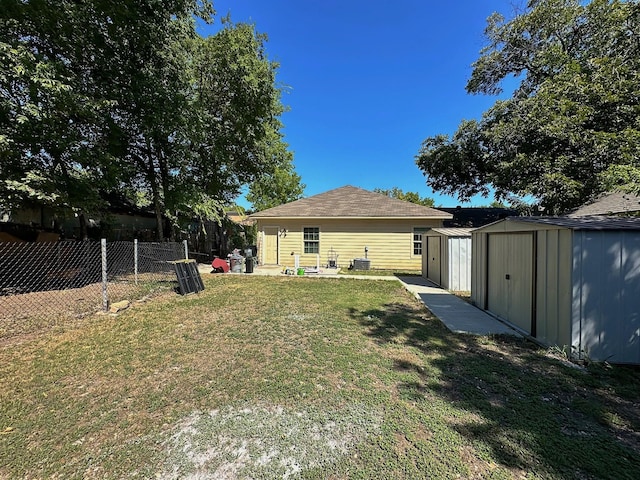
459	261
606	284
554	287
479	256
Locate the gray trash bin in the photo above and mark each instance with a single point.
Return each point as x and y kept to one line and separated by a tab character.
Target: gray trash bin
248	265
235	262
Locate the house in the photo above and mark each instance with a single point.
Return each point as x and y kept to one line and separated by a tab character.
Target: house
346	223
614	203
120	220
446	259
567	282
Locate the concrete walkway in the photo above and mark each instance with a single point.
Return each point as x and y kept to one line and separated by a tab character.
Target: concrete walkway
457	315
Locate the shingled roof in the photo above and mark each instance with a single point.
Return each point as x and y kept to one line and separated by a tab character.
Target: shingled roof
616	203
351	202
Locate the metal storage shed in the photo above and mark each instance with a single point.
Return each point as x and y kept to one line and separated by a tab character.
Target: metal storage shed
570	282
446	257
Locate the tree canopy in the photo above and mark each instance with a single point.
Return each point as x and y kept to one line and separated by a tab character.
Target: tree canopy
125	96
571	129
412	197
279	183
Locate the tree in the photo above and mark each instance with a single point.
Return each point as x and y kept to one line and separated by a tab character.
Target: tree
570	130
82	84
236	112
124	96
412	197
278	184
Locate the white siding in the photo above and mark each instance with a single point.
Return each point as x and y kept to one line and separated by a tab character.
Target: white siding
459	256
447	261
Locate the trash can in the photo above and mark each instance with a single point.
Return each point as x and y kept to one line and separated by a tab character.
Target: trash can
248	265
235	262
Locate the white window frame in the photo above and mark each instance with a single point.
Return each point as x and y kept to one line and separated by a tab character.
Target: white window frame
305	241
414	230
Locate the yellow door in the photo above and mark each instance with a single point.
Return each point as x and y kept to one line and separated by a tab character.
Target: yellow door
270	245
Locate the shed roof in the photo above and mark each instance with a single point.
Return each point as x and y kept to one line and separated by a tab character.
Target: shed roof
351	202
452	232
583	223
609	204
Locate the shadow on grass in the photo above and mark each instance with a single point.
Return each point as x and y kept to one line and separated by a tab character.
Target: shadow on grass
522	409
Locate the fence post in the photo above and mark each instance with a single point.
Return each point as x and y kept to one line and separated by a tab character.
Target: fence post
135	259
105	298
186	250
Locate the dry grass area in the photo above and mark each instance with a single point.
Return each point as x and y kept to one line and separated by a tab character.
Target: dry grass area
33	312
281	377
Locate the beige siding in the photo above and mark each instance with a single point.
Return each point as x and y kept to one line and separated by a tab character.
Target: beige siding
434	259
553	302
390	241
479	269
510	278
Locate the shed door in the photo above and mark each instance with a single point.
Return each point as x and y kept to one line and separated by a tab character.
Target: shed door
510	278
270	245
433	259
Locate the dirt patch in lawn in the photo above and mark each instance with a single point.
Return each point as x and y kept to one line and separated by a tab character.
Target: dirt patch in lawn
263	441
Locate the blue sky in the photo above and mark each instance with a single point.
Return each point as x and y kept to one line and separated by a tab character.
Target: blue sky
366	81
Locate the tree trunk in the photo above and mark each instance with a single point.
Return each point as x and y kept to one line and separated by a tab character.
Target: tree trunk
84	235
166	187
155	193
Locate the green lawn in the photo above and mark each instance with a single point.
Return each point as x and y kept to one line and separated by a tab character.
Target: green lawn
281	377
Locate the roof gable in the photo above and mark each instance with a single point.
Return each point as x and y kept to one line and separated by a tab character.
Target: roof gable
351	202
609	204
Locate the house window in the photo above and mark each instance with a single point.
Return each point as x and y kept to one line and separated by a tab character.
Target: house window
417	239
311	239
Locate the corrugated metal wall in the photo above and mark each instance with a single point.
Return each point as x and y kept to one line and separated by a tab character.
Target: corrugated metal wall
606	295
459	263
479	269
447	261
587	286
554	287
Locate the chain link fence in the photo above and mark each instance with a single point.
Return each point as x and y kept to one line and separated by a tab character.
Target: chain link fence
42	283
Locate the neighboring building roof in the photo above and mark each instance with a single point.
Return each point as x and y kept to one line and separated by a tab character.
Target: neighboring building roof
583	223
476	216
239	218
351	202
452	232
119	204
614	203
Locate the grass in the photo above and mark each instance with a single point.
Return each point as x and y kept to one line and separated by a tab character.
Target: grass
269	377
